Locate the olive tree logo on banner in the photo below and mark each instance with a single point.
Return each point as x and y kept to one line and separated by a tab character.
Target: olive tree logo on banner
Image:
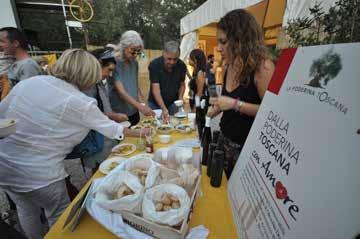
324	69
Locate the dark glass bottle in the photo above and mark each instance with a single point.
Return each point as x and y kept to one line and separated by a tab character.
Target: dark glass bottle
200	117
220	142
215	136
206	140
210	160
217	168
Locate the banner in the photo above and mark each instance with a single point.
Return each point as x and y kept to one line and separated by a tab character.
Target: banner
298	175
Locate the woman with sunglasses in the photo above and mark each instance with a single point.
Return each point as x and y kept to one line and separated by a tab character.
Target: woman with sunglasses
124	89
248	71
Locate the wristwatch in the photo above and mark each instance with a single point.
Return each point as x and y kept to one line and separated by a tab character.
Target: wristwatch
240	103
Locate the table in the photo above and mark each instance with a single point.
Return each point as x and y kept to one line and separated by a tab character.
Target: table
211	210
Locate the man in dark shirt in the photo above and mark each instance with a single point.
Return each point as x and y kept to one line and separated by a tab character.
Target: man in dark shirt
167	76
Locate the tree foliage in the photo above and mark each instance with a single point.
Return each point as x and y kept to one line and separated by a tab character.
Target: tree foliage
339	25
156	20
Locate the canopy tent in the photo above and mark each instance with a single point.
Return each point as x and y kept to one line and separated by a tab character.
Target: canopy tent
198	28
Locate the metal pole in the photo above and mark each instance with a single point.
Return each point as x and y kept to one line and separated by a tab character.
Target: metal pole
67	27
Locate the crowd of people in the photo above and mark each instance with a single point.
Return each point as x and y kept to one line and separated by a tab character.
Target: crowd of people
85	96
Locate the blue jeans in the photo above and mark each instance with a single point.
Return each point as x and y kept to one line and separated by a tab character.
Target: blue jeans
171	108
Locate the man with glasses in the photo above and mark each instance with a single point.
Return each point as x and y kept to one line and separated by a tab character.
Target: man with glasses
167	76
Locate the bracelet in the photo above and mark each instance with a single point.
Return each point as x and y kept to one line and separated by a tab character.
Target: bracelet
239	105
234	106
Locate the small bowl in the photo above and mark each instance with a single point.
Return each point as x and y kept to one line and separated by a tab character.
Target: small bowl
165	129
184	128
191	116
179	103
164	138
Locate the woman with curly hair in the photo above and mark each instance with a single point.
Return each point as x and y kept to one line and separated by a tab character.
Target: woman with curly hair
248	71
197	83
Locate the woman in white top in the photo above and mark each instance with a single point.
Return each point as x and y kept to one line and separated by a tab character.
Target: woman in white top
52	116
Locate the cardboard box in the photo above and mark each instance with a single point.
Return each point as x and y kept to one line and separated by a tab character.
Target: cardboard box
162	231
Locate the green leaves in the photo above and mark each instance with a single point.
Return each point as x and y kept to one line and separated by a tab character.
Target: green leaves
339	25
156	20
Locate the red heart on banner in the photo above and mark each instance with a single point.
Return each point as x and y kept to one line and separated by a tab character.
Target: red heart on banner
280	190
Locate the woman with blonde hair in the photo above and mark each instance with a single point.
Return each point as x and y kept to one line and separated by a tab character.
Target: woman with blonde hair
124	89
52	116
247	73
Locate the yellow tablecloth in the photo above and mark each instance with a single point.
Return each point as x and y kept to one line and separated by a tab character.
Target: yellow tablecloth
211	210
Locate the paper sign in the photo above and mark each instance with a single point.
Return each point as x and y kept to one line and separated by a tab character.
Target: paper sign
298	175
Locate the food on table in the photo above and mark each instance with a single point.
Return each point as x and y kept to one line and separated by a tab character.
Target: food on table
113	165
124	149
175	205
167	202
140	173
158	206
149	121
123	191
184	128
174	121
165	128
136	127
166	208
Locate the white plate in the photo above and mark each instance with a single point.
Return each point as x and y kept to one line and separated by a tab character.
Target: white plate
7	127
4	123
105	166
141	156
114	150
181	115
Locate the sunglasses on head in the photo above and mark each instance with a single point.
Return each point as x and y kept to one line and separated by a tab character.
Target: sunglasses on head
135	51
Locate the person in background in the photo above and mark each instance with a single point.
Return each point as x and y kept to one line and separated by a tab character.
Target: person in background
32	168
43	63
167	76
107	61
248	71
13	43
197	84
210	73
5	63
124	88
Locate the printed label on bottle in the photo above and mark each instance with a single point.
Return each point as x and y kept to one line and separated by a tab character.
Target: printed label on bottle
207	121
197	101
203	104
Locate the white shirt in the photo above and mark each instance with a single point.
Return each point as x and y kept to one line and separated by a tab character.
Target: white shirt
52	117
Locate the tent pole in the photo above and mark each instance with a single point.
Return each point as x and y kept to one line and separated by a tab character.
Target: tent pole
67	27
